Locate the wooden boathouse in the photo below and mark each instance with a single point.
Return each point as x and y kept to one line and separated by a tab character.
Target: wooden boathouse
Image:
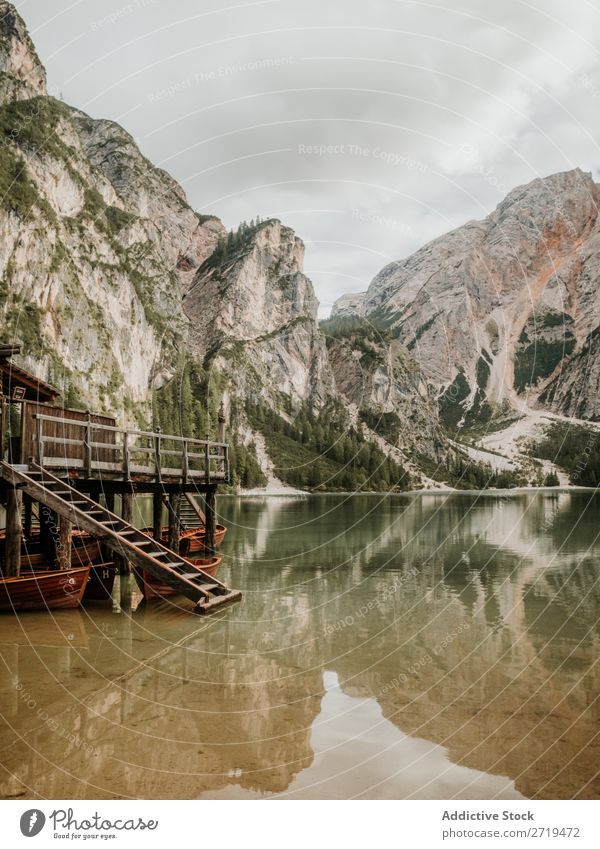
65	468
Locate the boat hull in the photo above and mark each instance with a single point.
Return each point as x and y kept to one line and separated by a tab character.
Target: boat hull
101	582
51	589
191	540
84	550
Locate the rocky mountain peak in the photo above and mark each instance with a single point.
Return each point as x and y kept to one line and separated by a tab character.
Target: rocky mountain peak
22	75
494	309
252	285
348	305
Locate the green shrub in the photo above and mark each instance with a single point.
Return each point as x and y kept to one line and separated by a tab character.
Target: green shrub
540	358
320	452
451	402
574	448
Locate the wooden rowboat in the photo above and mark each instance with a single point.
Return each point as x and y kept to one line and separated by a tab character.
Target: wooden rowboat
101	582
83	551
43	590
152	587
191	540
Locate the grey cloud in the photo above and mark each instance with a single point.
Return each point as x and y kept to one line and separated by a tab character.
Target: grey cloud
425	115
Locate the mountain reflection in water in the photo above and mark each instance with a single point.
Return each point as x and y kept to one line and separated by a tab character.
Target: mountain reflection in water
423	646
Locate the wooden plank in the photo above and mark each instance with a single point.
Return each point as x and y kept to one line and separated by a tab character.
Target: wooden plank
61	440
62	425
116	468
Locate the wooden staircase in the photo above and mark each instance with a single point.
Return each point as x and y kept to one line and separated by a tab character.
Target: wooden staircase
208	593
191	514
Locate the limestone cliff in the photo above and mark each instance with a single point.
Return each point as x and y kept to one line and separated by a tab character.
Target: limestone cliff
22	75
96	244
348	305
252	316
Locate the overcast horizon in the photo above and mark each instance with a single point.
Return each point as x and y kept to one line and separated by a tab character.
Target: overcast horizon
368	130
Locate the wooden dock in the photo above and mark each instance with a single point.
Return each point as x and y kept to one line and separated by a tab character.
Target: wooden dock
64	459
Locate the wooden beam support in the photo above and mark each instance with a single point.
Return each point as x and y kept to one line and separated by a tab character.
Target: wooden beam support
48	532
12	565
174	520
65	539
127	516
28	510
157	510
109	500
211	520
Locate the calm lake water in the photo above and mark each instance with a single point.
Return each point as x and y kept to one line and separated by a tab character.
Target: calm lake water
424	646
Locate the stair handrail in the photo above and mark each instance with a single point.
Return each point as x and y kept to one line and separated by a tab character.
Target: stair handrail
208	450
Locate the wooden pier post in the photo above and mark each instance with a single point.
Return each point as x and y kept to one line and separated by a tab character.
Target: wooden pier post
127	516
157	509
174	520
222	421
65	539
28	510
48	532
106	553
211	519
14	501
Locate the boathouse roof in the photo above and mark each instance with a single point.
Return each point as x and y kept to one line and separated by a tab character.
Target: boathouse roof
19	384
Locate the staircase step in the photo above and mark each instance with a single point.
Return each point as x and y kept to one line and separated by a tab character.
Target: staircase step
208	606
191	576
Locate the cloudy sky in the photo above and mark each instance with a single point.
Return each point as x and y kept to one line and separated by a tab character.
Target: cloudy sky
369	127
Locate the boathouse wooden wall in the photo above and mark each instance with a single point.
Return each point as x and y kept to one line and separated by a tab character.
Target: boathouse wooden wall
64	432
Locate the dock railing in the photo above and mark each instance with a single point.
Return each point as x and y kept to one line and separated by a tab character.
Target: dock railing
93	448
